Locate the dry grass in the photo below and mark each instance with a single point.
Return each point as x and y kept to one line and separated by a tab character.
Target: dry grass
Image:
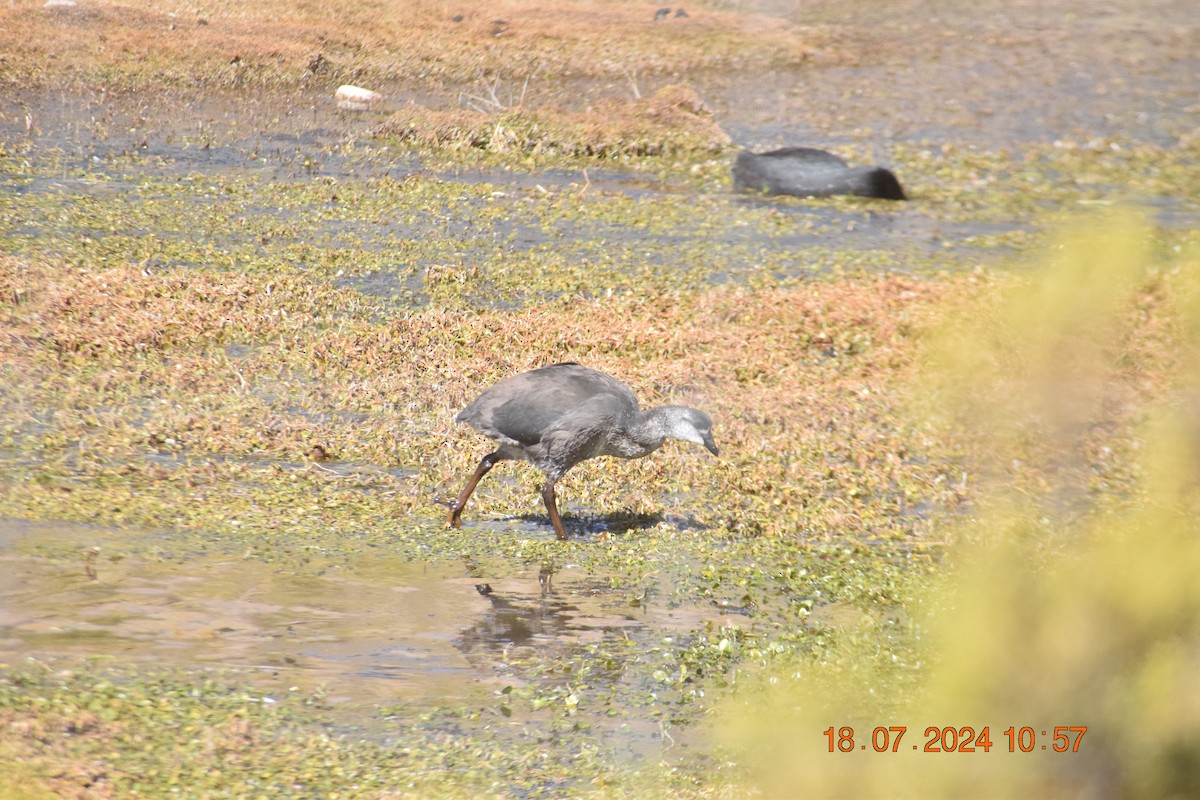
804	382
810	387
74	311
675	119
143	44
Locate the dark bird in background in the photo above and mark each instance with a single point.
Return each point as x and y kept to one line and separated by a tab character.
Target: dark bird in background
557	416
808	172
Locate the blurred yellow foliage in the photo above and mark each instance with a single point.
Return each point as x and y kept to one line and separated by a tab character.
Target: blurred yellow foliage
1072	594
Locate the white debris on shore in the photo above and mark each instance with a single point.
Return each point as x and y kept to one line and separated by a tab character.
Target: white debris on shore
356	98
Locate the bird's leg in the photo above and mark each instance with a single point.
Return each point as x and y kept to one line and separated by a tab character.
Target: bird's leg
454	518
552	506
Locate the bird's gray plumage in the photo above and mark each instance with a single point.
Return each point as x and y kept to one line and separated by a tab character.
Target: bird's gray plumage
807	172
560	415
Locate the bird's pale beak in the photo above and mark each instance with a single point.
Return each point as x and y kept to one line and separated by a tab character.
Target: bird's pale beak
710	445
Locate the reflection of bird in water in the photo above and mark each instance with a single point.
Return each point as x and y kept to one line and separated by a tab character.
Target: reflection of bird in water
514	621
500	640
558	416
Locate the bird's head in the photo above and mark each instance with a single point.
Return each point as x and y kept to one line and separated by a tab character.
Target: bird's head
692	425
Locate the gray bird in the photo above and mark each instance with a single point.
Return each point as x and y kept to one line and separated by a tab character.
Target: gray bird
556	416
808	172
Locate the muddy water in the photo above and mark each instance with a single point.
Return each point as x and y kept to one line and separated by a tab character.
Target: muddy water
343	629
370	630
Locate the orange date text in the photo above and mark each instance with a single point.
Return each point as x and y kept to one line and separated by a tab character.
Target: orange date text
950	739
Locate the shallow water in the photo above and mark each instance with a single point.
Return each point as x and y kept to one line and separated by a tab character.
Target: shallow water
364	630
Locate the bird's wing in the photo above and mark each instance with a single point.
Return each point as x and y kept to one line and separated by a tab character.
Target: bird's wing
585	431
522	408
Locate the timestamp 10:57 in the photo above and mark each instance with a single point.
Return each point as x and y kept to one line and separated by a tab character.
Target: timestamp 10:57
958	740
